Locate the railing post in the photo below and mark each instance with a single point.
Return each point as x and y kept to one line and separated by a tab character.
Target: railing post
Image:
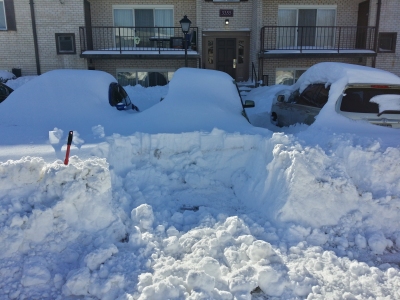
338	47
119	34
301	39
159	44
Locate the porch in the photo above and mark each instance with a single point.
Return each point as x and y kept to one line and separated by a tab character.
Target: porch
102	42
317	41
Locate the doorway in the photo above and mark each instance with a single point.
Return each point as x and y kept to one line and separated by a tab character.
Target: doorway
226	56
362	23
228	52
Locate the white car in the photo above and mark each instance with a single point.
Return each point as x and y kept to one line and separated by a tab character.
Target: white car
364	94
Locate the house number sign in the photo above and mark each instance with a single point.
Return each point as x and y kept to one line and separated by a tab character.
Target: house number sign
226	12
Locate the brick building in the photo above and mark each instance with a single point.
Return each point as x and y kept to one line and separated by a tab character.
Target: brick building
141	41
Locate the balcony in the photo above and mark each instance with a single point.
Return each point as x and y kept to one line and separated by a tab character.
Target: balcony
317	41
137	42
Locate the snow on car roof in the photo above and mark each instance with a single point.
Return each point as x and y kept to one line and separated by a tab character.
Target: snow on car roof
331	72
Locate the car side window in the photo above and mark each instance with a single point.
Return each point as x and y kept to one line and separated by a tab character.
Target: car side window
315	95
117	94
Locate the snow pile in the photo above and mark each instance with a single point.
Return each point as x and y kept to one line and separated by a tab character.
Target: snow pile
234	213
5	76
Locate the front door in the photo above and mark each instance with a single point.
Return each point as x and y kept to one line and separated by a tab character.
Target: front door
226	55
88	25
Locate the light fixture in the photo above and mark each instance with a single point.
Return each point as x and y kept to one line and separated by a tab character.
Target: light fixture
185	25
62	1
226	21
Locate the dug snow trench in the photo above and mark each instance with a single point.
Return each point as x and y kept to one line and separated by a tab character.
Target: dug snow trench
203	216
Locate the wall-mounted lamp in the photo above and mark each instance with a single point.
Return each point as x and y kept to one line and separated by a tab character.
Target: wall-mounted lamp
62	1
226	21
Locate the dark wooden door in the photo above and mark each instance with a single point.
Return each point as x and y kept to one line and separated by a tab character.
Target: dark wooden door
88	25
362	24
226	53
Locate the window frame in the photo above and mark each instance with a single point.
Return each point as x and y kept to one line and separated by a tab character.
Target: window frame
5	16
60	52
393	36
299	7
153	7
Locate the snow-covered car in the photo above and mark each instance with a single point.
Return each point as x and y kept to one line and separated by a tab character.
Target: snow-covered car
65	99
360	93
5	91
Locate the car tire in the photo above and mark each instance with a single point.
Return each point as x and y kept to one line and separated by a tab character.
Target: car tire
274	119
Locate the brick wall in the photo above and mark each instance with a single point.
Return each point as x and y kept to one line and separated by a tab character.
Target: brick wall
389	22
17	47
111	65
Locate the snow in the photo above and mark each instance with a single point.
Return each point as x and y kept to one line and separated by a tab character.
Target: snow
177	202
5	76
387	102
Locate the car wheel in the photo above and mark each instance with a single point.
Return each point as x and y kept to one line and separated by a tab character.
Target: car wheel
274	119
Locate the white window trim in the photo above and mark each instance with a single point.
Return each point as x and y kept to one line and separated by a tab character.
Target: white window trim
5	16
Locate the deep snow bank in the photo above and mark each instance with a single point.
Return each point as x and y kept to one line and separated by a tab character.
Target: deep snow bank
201	215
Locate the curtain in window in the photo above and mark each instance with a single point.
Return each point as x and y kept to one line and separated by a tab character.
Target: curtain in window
325	36
164	18
2	16
124	36
286	37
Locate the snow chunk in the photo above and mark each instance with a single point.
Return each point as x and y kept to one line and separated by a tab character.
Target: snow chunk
143	215
35	272
199	280
94	259
77	283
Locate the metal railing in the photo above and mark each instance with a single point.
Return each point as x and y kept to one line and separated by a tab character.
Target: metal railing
301	38
254	75
112	38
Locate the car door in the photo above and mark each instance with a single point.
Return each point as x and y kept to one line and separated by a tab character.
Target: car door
308	105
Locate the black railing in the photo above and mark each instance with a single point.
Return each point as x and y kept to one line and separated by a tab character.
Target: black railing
121	39
301	38
254	75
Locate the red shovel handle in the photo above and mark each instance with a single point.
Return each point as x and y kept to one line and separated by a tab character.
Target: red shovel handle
70	135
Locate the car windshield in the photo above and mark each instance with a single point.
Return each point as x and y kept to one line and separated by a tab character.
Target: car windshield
358	99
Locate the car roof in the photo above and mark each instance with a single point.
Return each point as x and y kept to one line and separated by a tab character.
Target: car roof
344	74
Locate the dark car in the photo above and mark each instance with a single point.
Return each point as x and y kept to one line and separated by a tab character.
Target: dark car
4	92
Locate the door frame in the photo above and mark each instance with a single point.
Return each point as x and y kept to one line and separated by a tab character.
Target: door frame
209	42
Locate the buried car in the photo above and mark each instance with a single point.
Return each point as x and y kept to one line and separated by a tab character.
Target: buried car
360	93
77	100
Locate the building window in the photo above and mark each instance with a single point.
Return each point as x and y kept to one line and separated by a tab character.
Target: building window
144	18
387	42
288	76
65	43
144	78
3	24
305	25
7	15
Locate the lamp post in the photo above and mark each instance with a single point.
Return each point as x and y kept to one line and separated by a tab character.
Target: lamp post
185	25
